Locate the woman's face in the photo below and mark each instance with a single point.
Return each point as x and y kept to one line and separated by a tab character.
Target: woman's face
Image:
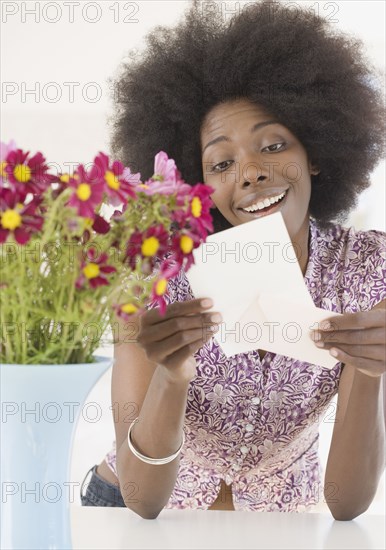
252	160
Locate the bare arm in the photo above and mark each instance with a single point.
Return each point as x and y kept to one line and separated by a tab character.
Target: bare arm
357	454
157	434
154	374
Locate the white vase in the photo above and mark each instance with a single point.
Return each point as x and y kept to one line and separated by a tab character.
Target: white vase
40	407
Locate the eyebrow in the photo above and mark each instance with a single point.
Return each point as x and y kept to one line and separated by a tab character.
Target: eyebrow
256	127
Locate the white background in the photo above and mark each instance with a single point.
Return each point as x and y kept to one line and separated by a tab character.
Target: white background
51	48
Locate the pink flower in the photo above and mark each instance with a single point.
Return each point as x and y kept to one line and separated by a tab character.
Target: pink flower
88	191
92	270
16	217
6	148
119	180
166	180
165	169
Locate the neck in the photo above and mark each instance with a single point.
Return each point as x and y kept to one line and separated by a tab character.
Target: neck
300	242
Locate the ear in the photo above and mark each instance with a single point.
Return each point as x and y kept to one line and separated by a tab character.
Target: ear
313	169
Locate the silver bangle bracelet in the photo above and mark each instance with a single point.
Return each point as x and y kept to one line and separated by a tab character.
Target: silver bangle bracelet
148	460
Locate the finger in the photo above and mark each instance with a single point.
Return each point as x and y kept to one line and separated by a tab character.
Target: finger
358	362
375	353
159	351
176	308
354	321
164	329
177	358
364	336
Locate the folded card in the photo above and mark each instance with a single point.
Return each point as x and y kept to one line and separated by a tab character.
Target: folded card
252	274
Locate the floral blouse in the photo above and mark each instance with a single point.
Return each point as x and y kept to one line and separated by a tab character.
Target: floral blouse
254	423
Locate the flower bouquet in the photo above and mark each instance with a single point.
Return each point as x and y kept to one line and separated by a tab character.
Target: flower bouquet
76	252
79	249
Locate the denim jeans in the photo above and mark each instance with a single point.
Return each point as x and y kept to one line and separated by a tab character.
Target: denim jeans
100	492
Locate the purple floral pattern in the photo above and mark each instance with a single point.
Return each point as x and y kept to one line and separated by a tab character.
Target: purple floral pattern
254	423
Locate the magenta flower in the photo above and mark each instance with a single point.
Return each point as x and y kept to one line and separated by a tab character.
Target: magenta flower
183	244
88	191
26	174
93	270
124	311
16	217
168	269
119	180
153	242
4	150
200	203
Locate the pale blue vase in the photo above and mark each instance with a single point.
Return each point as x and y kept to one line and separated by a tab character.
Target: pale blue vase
40	407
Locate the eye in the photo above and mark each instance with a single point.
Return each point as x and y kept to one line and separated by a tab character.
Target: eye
219	167
279	147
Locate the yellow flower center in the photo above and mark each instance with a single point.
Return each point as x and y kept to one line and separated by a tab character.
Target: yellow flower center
150	246
2	169
22	173
186	244
65	178
91	270
83	191
87	223
196	207
112	180
143	185
157	177
129	308
160	287
10	219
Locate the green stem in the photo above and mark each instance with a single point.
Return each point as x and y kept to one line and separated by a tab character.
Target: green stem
69	309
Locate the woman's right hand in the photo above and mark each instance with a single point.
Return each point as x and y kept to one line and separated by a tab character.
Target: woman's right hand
171	340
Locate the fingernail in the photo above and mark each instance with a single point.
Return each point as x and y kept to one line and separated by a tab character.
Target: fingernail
207	302
316	336
216	317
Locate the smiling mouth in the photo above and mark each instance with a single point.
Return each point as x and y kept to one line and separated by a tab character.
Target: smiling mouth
261	210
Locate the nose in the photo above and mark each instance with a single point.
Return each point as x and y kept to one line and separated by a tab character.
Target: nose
252	170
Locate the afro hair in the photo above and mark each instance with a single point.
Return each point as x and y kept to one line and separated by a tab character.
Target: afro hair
293	63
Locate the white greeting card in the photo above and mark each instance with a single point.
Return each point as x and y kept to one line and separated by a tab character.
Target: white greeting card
254	279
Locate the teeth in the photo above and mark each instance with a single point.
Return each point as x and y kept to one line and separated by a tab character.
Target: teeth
263	204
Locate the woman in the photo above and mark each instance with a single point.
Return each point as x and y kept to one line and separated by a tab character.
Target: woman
276	112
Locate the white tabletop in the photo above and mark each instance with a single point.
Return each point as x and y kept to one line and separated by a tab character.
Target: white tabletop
116	528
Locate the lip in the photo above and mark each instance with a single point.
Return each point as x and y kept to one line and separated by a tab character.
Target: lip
253	198
260	213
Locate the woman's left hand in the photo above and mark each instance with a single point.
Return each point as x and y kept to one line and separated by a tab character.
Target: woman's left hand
357	339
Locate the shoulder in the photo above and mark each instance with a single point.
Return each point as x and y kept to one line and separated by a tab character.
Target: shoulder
356	247
349	238
357	258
